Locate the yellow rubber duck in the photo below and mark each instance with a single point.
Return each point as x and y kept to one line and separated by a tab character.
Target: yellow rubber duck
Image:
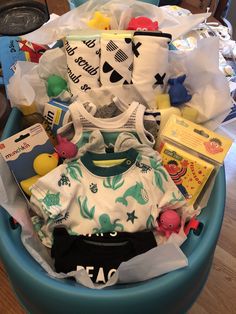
99	21
43	164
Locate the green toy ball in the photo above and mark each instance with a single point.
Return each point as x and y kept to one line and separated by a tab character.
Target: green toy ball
55	85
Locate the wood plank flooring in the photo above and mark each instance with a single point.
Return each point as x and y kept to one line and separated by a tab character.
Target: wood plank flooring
219	293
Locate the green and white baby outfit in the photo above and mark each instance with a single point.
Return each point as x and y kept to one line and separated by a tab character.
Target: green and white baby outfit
87	198
83	122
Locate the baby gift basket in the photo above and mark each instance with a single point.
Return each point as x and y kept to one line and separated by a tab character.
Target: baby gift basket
96	101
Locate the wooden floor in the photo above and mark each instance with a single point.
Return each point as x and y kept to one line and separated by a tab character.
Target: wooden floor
219	293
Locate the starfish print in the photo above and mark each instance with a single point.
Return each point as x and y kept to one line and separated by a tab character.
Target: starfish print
131	216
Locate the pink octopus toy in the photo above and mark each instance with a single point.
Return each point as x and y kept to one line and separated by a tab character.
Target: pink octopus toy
142	23
169	222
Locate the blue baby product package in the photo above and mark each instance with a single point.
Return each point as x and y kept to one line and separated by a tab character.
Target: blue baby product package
54	113
13	49
20	150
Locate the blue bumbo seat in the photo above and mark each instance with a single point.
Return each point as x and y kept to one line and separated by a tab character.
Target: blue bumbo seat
174	292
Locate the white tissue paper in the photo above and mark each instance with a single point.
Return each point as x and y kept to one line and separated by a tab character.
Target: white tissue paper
120	13
53	62
28	84
26	87
205	82
157	261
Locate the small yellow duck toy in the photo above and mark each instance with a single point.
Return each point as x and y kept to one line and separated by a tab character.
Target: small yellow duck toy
99	21
43	164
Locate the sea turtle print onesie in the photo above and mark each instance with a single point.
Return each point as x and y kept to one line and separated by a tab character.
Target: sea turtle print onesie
124	192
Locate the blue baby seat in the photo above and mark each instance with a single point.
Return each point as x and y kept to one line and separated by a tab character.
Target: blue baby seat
174	292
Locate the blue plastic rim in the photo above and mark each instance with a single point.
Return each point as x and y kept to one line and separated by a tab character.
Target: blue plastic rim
172	293
75	3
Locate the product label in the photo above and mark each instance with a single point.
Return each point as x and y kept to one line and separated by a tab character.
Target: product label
21	149
196	138
188	172
54	113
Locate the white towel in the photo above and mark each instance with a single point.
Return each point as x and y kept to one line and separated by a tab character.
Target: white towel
116	59
151	59
83	60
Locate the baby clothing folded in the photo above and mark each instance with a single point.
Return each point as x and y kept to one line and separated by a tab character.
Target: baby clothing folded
99	193
83	61
116	59
110	59
151	59
99	254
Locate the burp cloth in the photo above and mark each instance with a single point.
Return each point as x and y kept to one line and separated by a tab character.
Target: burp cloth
151	59
116	59
83	57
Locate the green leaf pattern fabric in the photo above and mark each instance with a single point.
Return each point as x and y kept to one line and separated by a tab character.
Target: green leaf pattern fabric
150	222
85	212
113	183
129	201
160	174
178	198
73	169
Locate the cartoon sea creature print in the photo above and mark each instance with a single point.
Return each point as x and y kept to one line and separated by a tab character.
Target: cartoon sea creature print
175	199
144	168
150	222
137	192
93	187
64	180
107	225
62	219
50	200
213	146
38	223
